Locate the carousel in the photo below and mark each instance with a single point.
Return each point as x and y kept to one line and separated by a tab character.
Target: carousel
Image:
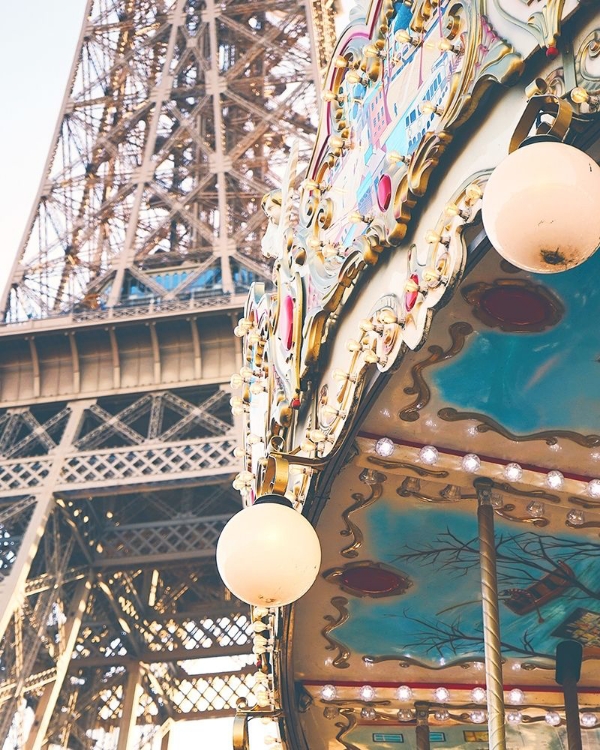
420	393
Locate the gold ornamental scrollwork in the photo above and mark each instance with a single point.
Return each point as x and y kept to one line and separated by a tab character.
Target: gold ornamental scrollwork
459	332
346	727
487	424
544	24
587	63
360	502
341	660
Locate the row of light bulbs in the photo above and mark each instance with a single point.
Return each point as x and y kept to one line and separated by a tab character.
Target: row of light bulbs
404	694
471	463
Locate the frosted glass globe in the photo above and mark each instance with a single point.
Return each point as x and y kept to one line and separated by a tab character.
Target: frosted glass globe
541	207
268	554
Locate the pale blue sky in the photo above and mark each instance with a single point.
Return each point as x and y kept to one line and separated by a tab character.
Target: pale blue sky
36	53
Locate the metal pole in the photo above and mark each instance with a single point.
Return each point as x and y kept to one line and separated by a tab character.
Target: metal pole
568	670
422	712
491	615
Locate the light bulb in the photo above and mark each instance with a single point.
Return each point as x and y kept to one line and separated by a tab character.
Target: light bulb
354	77
473	192
535	509
429	454
341	62
328	692
442	715
429	108
555	480
579	95
441	694
367	693
431	237
546	232
368	713
405	714
516	697
394	157
477	717
237	381
513	472
471	463
588	720
575	517
514	717
552	718
478	695
593	488
384	447
404	693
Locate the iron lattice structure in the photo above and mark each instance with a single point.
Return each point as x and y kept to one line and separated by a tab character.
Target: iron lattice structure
116	438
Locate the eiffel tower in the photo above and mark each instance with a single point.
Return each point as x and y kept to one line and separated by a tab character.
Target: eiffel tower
116	435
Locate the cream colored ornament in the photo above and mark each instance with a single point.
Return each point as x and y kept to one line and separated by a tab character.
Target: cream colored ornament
541	207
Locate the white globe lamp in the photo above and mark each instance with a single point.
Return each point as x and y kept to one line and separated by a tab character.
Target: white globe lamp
268	554
541	206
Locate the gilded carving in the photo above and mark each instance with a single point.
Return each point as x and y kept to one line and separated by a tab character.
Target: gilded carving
544	24
360	502
487	424
506	512
343	652
458	334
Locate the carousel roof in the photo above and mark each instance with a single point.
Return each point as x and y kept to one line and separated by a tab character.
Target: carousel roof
403	375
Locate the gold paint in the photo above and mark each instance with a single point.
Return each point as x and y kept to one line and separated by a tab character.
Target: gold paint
406	491
506	512
350	716
584	502
360	501
589	49
409	661
387	463
544	24
458	335
487	424
532	494
341	660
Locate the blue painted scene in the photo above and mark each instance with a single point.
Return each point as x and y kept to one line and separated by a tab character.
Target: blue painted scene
530	382
549	588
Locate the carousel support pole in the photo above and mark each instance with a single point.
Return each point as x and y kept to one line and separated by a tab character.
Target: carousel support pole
491	615
422	713
568	671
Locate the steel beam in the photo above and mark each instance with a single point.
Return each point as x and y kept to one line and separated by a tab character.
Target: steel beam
131	702
47	704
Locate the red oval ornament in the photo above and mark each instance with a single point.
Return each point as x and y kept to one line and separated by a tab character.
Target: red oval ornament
373	580
410	298
516	306
384	192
